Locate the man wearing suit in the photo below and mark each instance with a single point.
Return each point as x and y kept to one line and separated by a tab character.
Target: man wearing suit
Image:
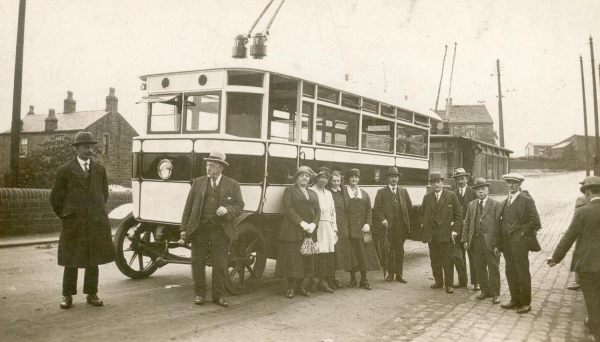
586	258
480	236
213	203
519	223
391	210
441	217
465	196
78	196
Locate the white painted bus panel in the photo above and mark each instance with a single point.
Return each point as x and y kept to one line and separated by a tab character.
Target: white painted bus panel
162	201
136	146
251	195
285	151
309	153
352	157
274	202
180	146
413	163
135	196
186	82
230	147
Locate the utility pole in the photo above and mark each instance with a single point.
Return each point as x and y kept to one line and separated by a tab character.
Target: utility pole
450	88
587	152
441	77
500	116
15	136
596	140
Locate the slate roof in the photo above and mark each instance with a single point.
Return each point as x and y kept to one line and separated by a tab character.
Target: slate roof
561	145
66	122
542	144
467	113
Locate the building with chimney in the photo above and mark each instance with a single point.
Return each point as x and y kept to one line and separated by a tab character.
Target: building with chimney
537	149
109	127
469	121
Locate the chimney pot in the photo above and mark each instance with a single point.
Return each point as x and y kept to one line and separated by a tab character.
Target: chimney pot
112	102
30	110
51	121
70	105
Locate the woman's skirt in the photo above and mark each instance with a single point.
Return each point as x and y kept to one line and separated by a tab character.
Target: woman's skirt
365	254
292	264
324	265
344	257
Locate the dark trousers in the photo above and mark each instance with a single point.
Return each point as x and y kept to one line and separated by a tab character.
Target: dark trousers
487	266
395	262
590	286
90	280
472	268
210	237
461	269
441	263
516	256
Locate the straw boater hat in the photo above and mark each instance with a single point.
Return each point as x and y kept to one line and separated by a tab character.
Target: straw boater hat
479	182
393	171
590	182
435	176
460	172
304	169
513	176
84	138
217	157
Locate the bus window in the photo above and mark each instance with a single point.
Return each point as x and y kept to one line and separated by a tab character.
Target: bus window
370	106
308	89
283	93
202	113
307	122
411	141
245	169
165	116
243	114
328	95
245	78
377	134
281	170
337	127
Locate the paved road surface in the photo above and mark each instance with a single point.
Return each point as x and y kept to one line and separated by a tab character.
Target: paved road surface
151	310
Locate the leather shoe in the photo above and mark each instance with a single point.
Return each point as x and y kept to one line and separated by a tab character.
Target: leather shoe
334	284
436	286
365	284
476	287
483	296
94	300
390	278
495	300
221	302
574	287
509	305
67	302
290	294
524	309
199	300
459	286
352	283
311	286
323	286
401	279
449	289
301	291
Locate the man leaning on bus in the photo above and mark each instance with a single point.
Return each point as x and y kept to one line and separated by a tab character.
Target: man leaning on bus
214	201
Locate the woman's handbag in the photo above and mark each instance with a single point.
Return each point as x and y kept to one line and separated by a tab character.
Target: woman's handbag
367	237
309	247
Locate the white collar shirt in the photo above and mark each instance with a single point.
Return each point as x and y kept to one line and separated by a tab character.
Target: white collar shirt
512	197
595	199
437	195
483	201
462	190
215	182
82	163
394	189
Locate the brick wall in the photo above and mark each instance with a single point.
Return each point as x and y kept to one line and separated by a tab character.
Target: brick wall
28	211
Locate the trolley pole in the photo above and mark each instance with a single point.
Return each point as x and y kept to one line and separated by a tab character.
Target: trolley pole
500	118
441	77
587	152
596	139
15	136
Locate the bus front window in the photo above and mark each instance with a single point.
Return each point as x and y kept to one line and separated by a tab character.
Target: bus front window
165	116
202	113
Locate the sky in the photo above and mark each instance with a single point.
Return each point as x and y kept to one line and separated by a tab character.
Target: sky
393	48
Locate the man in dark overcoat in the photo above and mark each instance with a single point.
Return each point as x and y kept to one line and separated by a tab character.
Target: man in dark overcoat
78	197
465	196
519	221
441	217
391	212
214	201
585	229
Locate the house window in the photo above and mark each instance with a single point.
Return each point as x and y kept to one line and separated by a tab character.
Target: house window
59	140
105	143
23	149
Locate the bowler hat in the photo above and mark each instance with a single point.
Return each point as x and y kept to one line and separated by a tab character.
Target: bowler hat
393	171
590	182
513	176
84	138
217	157
479	182
460	172
435	176
304	169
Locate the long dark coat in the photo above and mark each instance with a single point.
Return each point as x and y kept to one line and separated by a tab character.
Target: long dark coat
443	213
384	210
80	201
297	208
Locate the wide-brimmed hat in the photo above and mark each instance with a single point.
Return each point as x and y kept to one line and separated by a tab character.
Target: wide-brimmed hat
435	176
460	172
84	138
513	176
323	171
353	172
590	182
479	182
304	169
393	171
217	157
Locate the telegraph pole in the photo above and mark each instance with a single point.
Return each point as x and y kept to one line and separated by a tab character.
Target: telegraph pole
596	140
587	153
500	118
15	137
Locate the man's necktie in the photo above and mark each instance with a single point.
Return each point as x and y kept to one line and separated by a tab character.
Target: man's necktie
480	207
85	167
509	200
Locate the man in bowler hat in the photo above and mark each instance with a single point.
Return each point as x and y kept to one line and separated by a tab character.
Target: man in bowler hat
441	217
391	210
78	197
214	201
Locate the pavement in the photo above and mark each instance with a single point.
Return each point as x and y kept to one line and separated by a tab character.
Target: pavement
34	239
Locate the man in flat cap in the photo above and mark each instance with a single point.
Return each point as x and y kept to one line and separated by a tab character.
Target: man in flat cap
78	197
441	217
480	236
391	210
520	222
585	229
465	196
214	201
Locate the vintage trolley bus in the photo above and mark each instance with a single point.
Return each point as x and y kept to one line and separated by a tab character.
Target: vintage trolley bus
268	124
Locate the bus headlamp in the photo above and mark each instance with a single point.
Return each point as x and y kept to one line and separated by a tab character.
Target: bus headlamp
165	169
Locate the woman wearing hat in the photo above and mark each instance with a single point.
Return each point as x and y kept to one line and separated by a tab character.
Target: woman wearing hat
301	216
359	223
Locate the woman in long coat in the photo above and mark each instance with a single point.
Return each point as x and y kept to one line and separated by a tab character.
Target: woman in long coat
301	216
344	257
326	233
359	223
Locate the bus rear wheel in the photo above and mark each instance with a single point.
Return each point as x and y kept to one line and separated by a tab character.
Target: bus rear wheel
247	259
